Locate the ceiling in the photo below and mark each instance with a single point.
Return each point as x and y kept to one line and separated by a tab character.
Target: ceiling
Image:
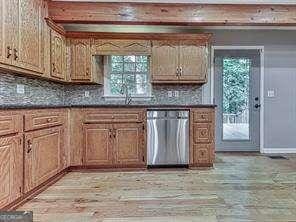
195	1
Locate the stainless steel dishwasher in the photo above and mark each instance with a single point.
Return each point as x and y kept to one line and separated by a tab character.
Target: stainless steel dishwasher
168	137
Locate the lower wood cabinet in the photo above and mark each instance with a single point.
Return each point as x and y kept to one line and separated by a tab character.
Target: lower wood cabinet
11	169
43	156
120	144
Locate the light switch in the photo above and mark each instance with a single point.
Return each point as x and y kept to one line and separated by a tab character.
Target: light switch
20	89
86	94
270	93
170	94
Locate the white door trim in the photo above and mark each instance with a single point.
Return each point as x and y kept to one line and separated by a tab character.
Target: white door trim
261	48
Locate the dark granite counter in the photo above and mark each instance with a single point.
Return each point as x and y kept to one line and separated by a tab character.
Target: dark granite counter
146	106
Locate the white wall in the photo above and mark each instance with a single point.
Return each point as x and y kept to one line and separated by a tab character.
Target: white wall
280	75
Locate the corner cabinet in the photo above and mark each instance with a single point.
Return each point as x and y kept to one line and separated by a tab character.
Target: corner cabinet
182	61
43	156
57	56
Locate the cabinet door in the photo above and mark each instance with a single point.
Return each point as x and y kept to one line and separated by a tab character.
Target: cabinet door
81	60
98	144
28	44
164	61
193	62
43	156
11	169
6	29
129	144
58	56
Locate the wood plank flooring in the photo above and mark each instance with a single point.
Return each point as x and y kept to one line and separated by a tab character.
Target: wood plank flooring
241	187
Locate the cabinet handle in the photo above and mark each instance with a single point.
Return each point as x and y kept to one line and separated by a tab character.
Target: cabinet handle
181	71
29	146
15	54
177	72
9	53
53	67
49	120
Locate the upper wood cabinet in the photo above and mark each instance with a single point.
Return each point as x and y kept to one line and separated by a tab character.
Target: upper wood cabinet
121	47
11	169
21	33
179	62
57	56
43	155
81	60
165	60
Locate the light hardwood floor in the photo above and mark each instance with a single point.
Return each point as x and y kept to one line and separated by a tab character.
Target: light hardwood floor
241	187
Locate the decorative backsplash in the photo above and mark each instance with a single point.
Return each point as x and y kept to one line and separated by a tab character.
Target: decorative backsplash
41	92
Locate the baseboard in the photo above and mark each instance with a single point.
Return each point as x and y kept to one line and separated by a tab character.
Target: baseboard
278	150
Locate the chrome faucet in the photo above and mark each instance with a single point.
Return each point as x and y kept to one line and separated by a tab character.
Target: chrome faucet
124	91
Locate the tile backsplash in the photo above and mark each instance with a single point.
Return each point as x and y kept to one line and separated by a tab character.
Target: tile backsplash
41	92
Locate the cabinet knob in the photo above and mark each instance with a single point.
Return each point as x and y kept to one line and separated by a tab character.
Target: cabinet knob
177	72
181	71
49	120
29	146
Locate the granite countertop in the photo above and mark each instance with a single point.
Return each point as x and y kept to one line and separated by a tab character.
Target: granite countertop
148	106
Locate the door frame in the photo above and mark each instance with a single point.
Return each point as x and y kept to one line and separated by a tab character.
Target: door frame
212	83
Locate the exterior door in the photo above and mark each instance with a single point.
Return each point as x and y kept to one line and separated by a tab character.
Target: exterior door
28	48
165	60
193	61
129	143
81	60
98	144
11	169
237	94
43	156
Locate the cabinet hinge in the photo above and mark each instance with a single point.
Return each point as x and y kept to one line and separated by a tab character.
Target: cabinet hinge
20	189
143	126
143	158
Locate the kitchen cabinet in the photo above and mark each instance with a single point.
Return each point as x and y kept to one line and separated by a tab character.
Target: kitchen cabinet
202	137
22	35
11	169
121	47
81	60
120	144
44	156
129	144
165	61
98	144
179	61
58	56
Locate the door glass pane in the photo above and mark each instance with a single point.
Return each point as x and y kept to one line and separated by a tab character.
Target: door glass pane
236	94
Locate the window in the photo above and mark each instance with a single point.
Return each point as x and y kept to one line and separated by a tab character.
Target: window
131	70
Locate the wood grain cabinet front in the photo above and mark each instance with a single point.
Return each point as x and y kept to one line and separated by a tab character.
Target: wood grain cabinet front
57	56
43	155
10	124
114	145
11	169
179	61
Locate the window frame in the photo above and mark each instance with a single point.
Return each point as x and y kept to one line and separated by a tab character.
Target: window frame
107	90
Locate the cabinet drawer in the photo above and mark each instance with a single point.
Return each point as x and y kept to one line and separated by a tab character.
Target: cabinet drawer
203	154
203	116
41	120
202	133
10	124
100	117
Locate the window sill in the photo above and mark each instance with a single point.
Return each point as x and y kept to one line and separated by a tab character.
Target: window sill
122	98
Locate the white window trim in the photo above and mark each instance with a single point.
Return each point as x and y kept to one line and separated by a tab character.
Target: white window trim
138	97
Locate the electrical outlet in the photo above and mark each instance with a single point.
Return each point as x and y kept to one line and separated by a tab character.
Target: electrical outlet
176	93
170	94
20	89
270	93
86	94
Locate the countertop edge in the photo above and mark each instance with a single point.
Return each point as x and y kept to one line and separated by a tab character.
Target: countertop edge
10	107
